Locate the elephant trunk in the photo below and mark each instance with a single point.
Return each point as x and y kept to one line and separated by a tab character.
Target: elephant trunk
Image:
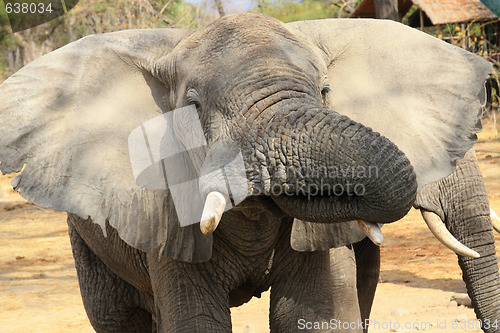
323	167
470	224
463	205
481	274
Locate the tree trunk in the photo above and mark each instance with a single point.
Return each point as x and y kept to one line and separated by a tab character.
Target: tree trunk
220	9
387	9
11	58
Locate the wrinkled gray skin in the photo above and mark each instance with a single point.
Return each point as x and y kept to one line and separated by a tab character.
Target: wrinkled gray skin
270	89
461	201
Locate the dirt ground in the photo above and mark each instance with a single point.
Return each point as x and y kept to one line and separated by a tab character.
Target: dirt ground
419	277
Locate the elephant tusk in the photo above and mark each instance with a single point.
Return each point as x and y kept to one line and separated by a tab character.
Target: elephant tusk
212	212
438	229
372	231
495	220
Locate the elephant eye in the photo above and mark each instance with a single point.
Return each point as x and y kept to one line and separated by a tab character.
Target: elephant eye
192	98
325	91
195	103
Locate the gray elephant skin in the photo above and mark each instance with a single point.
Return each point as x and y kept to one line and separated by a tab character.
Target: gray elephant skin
461	201
346	96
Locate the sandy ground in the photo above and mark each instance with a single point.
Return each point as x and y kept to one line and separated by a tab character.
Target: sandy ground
39	289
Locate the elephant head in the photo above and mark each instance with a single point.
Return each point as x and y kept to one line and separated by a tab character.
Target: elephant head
345	96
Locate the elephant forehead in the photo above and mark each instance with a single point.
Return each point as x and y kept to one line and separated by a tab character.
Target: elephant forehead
248	34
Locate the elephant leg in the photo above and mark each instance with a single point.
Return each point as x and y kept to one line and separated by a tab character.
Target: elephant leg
301	289
189	297
112	304
367	275
345	293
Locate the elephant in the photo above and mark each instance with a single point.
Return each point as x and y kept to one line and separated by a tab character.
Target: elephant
461	201
334	124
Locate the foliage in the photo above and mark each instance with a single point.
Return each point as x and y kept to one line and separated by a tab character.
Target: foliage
493	5
91	17
98	16
4	40
4	23
298	10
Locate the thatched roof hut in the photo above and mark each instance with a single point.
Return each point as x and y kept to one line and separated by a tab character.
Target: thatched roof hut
436	11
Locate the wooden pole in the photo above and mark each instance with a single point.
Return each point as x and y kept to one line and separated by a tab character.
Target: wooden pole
421	13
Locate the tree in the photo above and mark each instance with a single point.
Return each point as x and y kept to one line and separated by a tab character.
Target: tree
92	17
295	10
220	9
387	9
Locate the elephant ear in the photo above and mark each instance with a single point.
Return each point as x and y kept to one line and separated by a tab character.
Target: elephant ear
423	94
310	236
66	118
